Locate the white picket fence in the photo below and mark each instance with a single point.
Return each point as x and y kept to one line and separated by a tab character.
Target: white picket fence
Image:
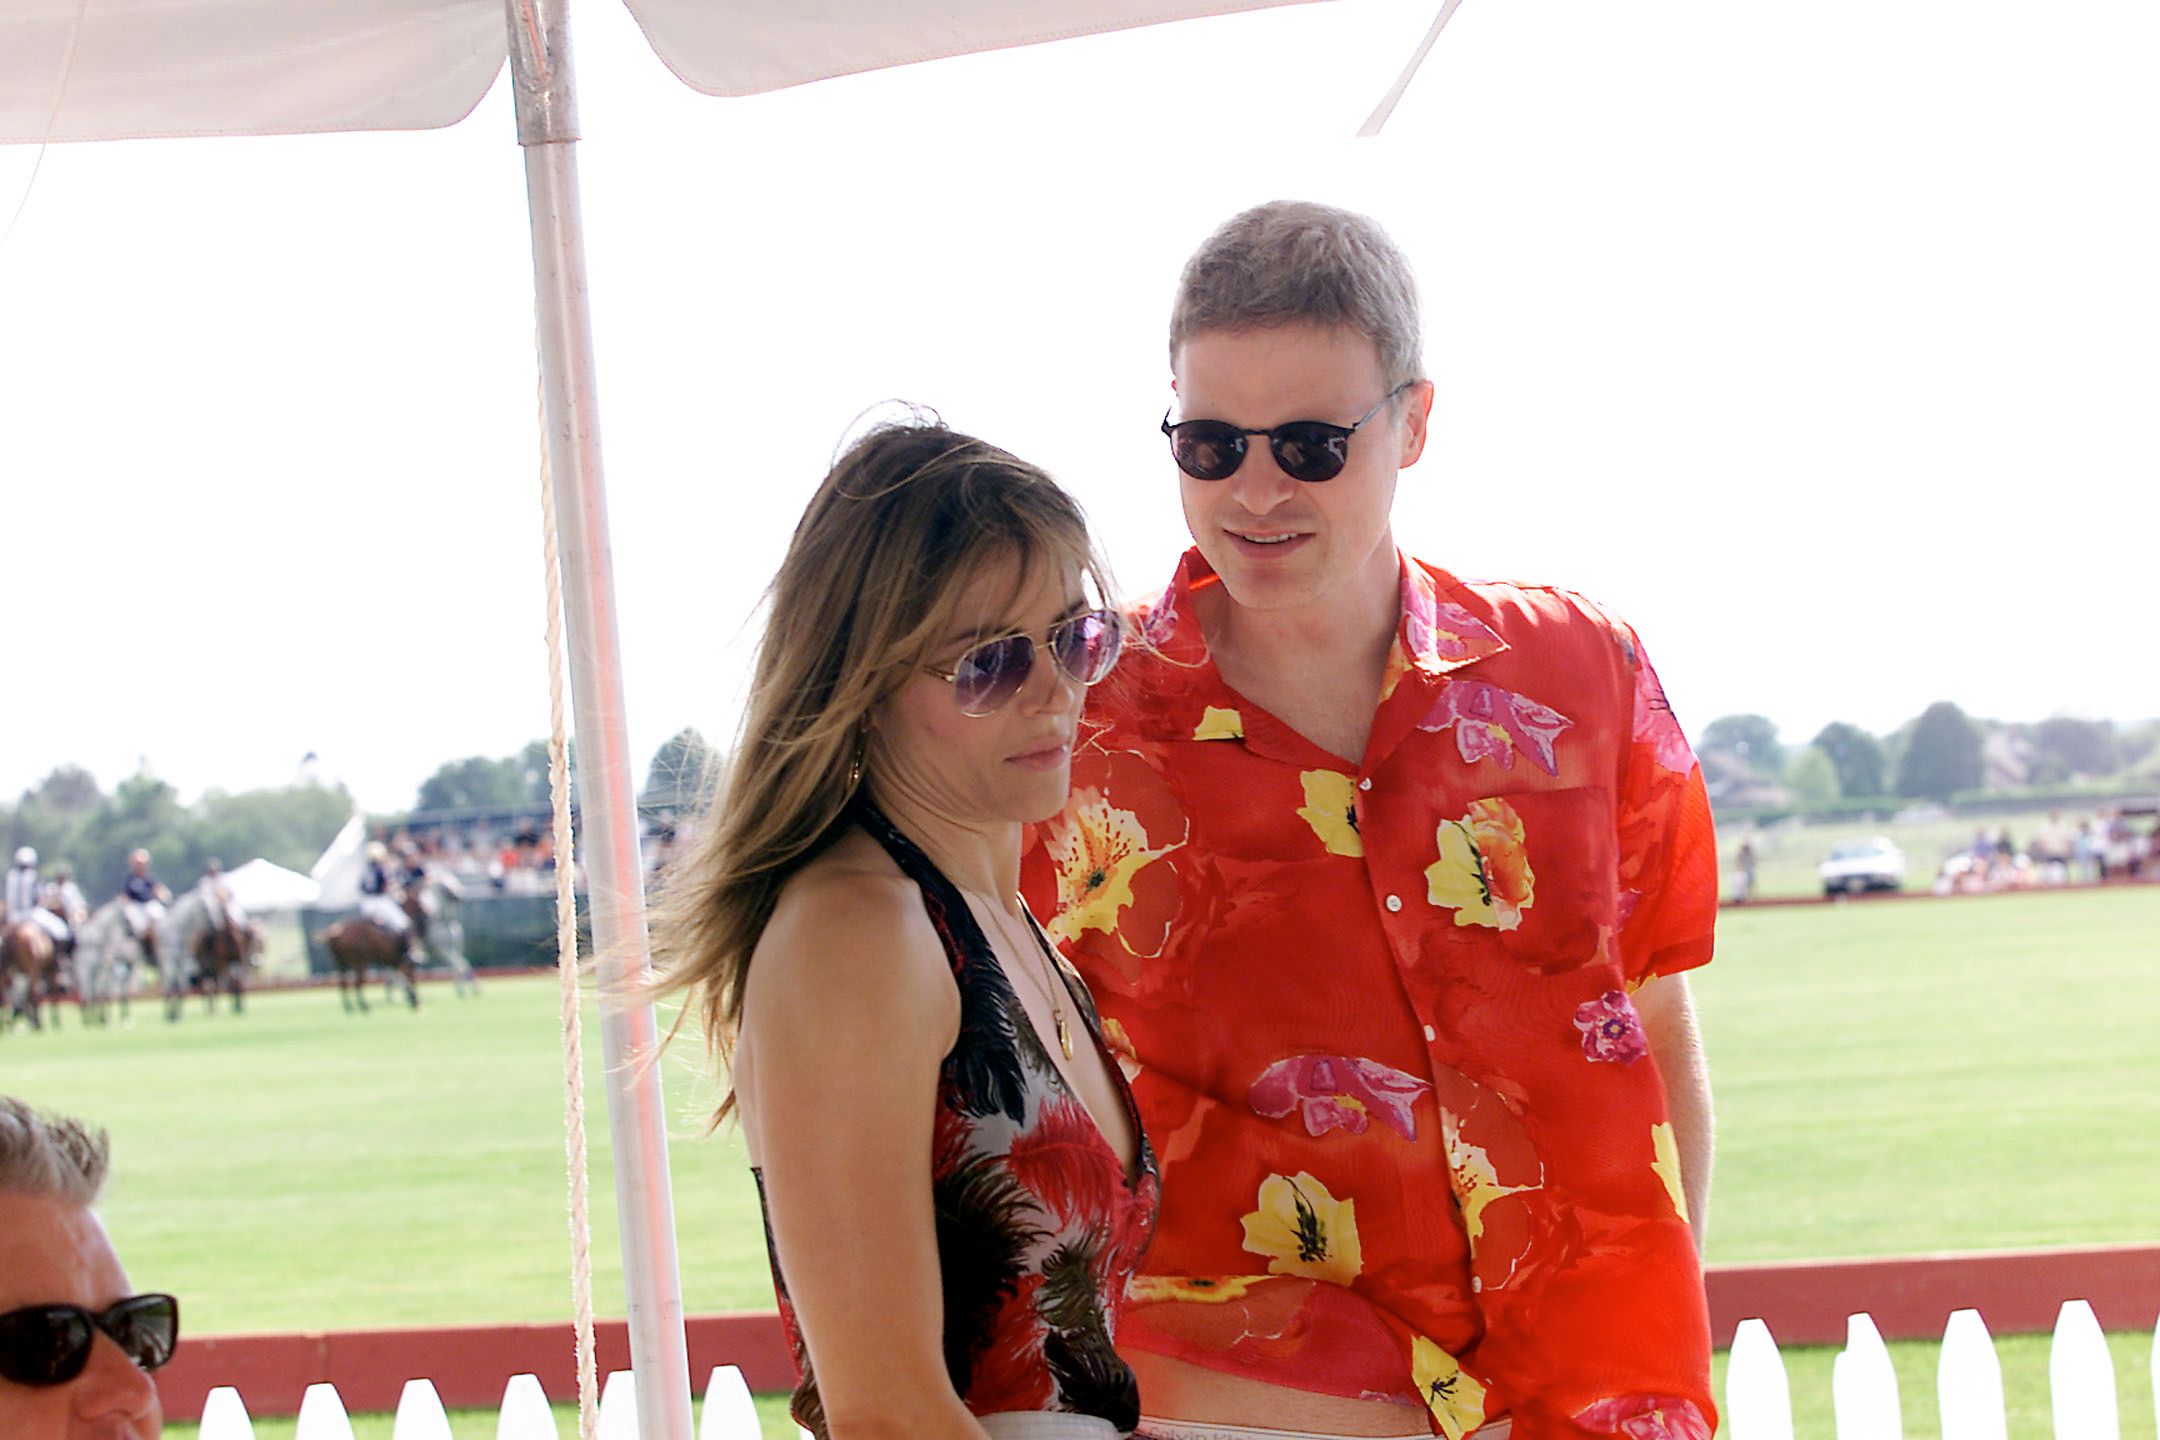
1758	1399
1968	1382
727	1413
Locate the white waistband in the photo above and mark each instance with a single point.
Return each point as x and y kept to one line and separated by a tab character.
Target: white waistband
1047	1425
1186	1430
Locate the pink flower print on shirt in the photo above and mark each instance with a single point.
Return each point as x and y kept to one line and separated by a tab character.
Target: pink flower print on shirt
1455	633
1645	1417
1343	1092
1656	725
1492	724
1611	1028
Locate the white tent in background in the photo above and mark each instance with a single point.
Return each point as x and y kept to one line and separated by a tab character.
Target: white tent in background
125	69
336	872
261	886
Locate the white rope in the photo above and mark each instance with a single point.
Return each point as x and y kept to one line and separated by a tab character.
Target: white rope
566	962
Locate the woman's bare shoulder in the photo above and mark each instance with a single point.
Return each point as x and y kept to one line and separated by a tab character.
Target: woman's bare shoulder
849	930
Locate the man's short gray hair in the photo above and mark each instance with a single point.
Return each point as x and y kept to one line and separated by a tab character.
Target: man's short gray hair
50	1155
1292	261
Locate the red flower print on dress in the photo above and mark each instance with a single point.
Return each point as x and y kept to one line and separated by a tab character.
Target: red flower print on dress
1492	724
1338	1092
1064	1159
1611	1028
1645	1417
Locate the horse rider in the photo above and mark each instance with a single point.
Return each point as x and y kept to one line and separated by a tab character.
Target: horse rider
65	898
218	902
23	894
143	901
379	898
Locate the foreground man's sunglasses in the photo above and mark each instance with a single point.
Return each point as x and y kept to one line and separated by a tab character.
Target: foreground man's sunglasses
1307	450
50	1344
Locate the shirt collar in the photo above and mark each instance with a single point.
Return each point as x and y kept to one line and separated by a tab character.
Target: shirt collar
1444	626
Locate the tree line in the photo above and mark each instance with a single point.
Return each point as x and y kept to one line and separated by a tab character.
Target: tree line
68	818
1940	754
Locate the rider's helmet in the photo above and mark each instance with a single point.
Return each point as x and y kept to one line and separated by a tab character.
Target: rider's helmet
212	866
26	856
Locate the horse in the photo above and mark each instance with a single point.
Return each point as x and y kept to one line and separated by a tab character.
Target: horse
107	956
441	933
359	945
222	953
28	951
189	933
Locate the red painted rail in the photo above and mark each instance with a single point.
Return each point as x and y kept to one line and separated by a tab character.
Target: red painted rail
1804	1303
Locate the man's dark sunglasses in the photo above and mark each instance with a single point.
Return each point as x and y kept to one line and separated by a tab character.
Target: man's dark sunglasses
50	1344
1308	450
988	675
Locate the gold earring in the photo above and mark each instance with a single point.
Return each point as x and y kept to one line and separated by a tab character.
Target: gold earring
855	765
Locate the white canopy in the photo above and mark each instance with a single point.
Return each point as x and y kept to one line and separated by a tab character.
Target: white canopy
261	885
136	69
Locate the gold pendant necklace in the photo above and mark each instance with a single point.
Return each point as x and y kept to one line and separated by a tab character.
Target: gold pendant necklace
1051	985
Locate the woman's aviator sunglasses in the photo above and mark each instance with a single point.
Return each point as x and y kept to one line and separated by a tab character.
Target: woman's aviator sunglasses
1307	450
50	1344
988	675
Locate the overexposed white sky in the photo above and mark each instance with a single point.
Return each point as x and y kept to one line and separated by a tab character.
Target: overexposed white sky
1821	341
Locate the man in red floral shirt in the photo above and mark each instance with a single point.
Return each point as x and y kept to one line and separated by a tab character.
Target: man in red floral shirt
1385	882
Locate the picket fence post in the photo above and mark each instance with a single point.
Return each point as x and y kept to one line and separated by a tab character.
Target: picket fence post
525	1414
420	1414
2081	1377
730	1413
1758	1397
1863	1386
618	1406
225	1416
1968	1381
322	1415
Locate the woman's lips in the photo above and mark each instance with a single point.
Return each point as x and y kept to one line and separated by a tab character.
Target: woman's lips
1046	757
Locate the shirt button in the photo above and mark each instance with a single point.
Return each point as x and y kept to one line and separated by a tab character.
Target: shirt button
1430	1033
1365	784
1394	903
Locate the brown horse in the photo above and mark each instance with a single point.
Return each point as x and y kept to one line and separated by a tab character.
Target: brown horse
27	950
223	953
357	946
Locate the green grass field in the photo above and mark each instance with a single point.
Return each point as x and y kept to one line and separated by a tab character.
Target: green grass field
1891	1078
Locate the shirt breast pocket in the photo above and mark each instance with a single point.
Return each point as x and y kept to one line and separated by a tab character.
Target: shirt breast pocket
1537	868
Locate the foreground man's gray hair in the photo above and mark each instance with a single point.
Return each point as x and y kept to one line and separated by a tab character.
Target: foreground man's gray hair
45	1154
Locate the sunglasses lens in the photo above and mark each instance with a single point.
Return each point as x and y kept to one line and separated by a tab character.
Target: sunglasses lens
44	1345
1310	451
146	1328
1207	449
992	673
1087	645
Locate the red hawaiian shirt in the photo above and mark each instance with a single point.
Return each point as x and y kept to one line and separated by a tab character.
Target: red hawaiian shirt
1377	1015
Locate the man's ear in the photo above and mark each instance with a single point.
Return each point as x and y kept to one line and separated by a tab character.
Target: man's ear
1417	417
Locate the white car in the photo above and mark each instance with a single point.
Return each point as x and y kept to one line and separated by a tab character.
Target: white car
1857	866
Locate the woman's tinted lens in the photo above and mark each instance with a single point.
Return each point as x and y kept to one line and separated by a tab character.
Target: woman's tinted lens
1207	449
992	673
1087	645
1308	450
44	1344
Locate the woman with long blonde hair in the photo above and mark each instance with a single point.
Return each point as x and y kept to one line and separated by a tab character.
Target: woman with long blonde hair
955	1181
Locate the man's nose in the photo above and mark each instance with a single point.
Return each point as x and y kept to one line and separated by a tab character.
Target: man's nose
114	1398
1259	484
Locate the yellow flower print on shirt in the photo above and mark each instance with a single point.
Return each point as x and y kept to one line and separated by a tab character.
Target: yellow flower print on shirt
1330	808
1097	849
1456	1398
1191	1289
1304	1230
1477	1181
1219	723
1667	1165
1483	873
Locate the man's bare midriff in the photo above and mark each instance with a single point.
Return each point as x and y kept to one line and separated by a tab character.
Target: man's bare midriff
1179	1390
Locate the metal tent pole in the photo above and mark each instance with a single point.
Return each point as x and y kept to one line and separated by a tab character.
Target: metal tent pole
546	102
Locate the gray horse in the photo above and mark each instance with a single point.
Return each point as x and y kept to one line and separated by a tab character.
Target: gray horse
107	955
